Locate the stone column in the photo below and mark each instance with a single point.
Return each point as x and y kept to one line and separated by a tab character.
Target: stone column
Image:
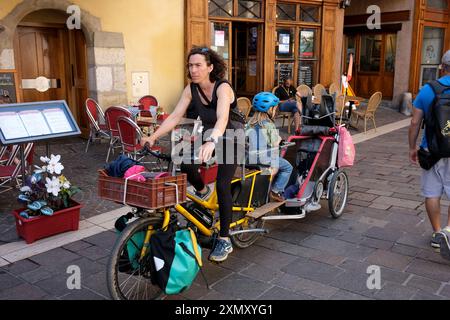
107	75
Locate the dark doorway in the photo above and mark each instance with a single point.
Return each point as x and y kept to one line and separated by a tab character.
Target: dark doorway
246	58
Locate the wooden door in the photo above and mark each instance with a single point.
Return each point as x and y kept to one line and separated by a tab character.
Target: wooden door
59	55
78	81
375	62
40	53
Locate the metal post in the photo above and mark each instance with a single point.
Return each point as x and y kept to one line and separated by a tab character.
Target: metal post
22	160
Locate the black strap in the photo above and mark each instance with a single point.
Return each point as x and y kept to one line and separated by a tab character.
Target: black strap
203	94
438	88
185	249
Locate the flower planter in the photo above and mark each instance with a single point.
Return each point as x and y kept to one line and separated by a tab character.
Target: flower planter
44	226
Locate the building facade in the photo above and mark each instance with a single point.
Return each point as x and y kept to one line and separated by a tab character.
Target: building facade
124	50
264	41
404	53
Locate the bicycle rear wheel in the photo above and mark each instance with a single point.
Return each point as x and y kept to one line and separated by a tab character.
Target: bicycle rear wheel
128	276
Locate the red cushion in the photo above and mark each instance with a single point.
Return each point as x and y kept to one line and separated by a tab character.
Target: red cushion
6	171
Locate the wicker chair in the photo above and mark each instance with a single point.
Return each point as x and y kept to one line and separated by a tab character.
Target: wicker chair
339	107
244	105
334	88
319	90
369	113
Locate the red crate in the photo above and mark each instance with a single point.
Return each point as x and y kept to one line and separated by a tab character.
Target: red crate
209	175
152	194
40	227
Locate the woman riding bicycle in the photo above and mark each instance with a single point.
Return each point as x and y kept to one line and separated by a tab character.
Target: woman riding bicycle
212	98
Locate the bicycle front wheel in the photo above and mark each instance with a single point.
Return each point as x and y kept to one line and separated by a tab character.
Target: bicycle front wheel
128	275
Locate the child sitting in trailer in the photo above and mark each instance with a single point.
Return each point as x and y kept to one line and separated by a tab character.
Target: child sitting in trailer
264	140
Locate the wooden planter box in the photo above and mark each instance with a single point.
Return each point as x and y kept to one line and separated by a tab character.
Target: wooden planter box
45	226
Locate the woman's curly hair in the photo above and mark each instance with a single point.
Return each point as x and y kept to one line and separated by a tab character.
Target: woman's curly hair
212	58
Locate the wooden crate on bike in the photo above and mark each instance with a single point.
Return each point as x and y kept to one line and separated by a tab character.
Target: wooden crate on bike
152	194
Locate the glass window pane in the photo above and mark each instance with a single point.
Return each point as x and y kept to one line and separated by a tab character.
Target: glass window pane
370	53
285	43
286	12
307	73
437	4
220	8
390	49
309	14
220	39
308	44
433	39
249	9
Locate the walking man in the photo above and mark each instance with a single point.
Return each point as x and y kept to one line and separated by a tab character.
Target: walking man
436	179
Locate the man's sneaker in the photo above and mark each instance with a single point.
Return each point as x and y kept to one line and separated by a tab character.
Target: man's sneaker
436	240
221	250
203	196
445	243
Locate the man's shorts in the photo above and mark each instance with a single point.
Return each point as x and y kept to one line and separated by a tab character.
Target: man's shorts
436	180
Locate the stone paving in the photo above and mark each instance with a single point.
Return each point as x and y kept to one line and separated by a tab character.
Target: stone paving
384	224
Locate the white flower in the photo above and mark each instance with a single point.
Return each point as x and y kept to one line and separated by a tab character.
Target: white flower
53	186
54	166
45	159
25	189
66	185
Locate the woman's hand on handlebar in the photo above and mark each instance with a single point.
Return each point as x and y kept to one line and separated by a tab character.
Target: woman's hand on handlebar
149	141
206	151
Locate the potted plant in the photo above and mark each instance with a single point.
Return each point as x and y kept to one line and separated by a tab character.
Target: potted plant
49	207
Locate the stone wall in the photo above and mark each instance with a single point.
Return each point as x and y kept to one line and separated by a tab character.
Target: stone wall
107	66
106	50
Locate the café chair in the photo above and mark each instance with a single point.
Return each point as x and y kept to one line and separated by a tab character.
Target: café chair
369	112
112	114
97	123
334	88
130	136
339	108
318	91
12	170
244	105
147	101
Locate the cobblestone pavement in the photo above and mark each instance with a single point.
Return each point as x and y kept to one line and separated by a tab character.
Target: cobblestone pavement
315	258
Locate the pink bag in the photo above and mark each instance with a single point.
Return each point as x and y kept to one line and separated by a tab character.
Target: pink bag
346	150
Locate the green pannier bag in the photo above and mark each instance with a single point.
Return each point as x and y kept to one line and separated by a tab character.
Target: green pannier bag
175	259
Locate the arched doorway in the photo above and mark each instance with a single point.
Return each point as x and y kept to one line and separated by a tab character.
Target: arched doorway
45	47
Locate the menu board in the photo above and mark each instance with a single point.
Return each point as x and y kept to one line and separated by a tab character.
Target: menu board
285	70
29	122
305	75
8	90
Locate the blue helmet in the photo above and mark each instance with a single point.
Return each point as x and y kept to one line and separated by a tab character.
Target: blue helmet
263	101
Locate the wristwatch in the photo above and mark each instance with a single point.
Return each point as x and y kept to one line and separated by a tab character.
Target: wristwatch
213	140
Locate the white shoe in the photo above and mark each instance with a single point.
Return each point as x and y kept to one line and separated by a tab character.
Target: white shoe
312	207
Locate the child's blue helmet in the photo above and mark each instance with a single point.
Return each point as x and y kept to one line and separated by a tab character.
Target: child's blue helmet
263	101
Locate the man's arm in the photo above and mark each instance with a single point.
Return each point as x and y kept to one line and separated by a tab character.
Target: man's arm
413	133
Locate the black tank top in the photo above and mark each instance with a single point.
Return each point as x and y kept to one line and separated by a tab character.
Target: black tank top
208	113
